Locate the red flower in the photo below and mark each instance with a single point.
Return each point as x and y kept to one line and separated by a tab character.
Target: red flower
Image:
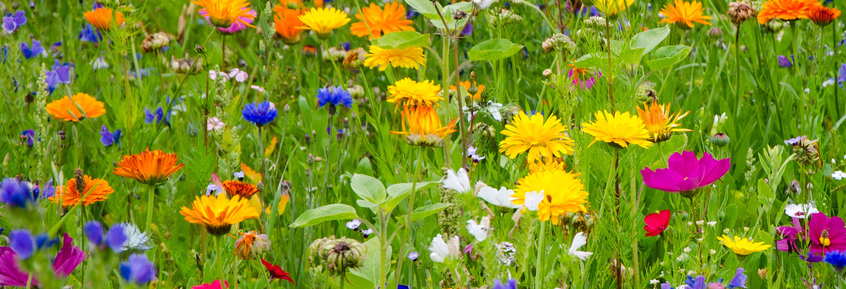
214	285
276	272
656	223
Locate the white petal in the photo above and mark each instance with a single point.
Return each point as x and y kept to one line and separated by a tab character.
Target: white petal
460	182
504	198
578	241
480	231
581	255
532	200
490	195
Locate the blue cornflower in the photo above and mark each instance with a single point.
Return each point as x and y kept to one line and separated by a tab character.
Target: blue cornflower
25	245
841	75
29	136
346	46
15	193
837	259
108	138
90	34
510	284
114	239
335	96
137	269
30	52
259	113
13	21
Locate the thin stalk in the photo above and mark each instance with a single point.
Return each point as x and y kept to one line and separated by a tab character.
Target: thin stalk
540	252
263	171
737	63
223	54
410	210
834	48
617	194
151	194
610	73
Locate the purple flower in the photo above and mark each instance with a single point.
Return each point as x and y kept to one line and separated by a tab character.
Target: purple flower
471	153
739	279
235	26
68	258
66	261
784	62
791	235
582	78
149	117
335	96
811	258
841	76
794	141
10	273
346	46
22	242
259	113
13	21
410	13
29	136
827	234
468	29
697	283
59	74
686	173
137	269
30	52
413	256
15	193
90	34
510	284
114	239
108	138
354	224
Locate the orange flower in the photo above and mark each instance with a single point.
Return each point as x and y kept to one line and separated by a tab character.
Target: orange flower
823	16
381	22
102	18
95	190
286	23
238	188
786	10
466	85
424	127
148	167
684	14
289	4
68	107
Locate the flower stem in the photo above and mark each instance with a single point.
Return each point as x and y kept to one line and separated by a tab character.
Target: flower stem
414	177
540	252
263	171
834	50
151	194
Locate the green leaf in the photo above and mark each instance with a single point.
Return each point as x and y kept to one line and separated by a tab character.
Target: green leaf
398	192
370	269
765	194
631	55
425	8
650	39
401	39
447	13
364	167
592	60
326	213
668	56
368	188
424	211
493	49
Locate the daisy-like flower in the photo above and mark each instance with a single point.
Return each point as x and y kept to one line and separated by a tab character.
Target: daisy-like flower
323	20
659	122
136	240
619	130
223	13
823	16
235	26
241	189
786	10
409	57
407	92
466	84
422	126
612	7
562	193
148	167
67	108
287	24
441	250
218	214
542	139
743	246
104	18
95	190
683	14
380	22
259	113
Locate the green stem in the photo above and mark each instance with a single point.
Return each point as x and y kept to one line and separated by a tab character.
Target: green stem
834	49
151	194
263	171
540	252
400	259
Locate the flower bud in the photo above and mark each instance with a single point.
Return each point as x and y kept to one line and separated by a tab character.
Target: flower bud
547	73
155	42
715	33
720	139
740	11
337	255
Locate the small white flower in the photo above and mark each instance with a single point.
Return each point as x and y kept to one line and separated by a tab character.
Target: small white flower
493	108
654	281
239	175
712	223
690	223
135	239
442	250
458	182
532	200
746	229
578	241
838	175
726	230
479	230
238	75
800	210
686	249
483	4
713	252
354	224
501	198
700	222
99	63
691	272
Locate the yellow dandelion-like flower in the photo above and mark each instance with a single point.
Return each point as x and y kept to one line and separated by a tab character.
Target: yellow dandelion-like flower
323	20
612	7
659	122
542	139
743	246
222	13
408	92
563	193
684	14
422	126
401	57
218	214
381	22
618	129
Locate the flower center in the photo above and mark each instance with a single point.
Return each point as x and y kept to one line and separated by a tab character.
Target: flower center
799	214
825	242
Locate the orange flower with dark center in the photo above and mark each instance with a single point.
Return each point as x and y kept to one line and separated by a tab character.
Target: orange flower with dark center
823	16
238	188
104	18
786	10
95	190
148	167
286	23
381	22
68	107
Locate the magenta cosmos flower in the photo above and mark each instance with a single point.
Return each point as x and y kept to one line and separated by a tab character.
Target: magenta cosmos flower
235	26
685	173
827	234
791	236
68	258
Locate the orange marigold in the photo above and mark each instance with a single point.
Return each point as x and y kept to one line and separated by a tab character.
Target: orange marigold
286	23
786	10
68	107
102	18
95	190
148	167
823	16
238	188
381	22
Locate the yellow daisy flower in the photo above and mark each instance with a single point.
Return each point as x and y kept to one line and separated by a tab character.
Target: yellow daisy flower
618	129
743	246
323	20
422	126
218	214
684	14
659	122
612	7
402	57
412	93
222	13
543	140
563	193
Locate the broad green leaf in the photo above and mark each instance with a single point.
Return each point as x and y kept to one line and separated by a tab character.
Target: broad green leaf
447	13
765	192
631	55
592	60
425	8
364	167
398	192
668	56
424	211
650	39
326	213
401	39
368	188
493	49
370	269
367	204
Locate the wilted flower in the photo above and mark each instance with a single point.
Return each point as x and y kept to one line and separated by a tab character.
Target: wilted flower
740	11
186	65
155	42
337	255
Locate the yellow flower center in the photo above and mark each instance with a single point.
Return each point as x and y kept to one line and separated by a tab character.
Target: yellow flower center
825	242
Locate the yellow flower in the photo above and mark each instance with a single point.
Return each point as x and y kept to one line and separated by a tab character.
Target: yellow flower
786	10
659	122
323	20
466	85
218	214
68	107
743	246
552	164
422	126
102	18
148	167
543	140
612	7
380	22
402	57
562	192
618	129
222	13
408	92
684	13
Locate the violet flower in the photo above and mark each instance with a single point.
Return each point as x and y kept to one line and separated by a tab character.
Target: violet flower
841	76
29	136
235	26
784	62
137	269
114	239
13	21
90	34
686	174
33	51
791	234
108	138
827	234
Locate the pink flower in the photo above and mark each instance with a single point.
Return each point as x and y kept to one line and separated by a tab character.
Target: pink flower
685	173
214	124
656	223
235	26
827	234
68	258
791	234
213	285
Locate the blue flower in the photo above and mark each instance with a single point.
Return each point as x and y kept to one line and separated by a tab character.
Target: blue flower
335	96
90	34
13	21
29	136
346	46
697	283
784	62
25	246
30	52
137	269
410	13
59	74
109	138
149	117
837	259
739	279
841	76
15	193
510	284
48	191
114	239
468	29
259	113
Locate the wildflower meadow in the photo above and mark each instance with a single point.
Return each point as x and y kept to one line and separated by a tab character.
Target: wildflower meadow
396	144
